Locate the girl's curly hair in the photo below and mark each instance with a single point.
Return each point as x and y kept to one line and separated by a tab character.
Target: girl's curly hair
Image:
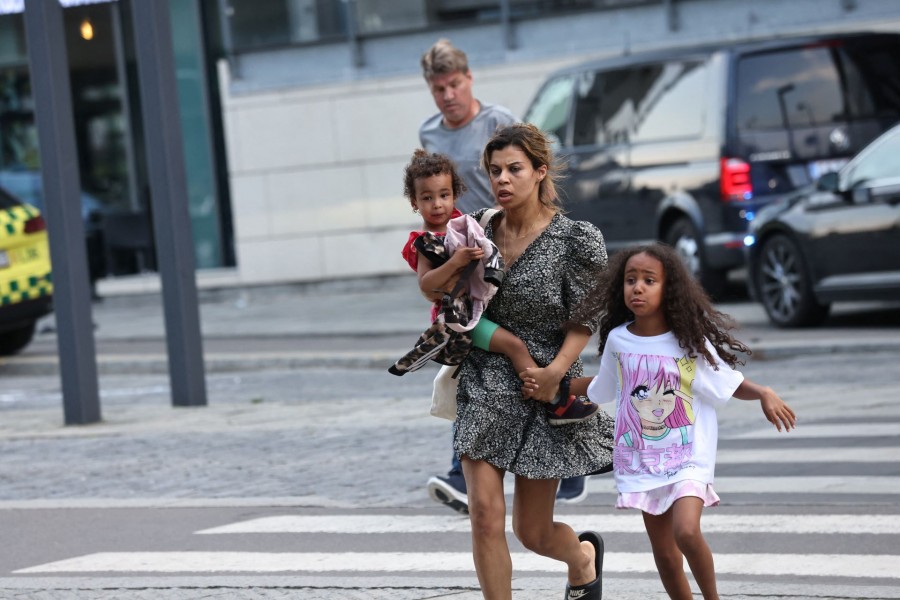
424	165
687	308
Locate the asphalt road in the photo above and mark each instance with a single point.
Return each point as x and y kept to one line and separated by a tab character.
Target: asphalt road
348	443
309	464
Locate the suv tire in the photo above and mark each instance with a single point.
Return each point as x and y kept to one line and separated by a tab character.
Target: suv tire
683	236
783	285
12	341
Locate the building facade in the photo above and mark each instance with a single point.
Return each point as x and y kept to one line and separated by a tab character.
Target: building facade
299	115
319	124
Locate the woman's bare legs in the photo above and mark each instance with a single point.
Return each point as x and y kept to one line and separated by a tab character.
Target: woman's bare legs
534	526
487	514
674	536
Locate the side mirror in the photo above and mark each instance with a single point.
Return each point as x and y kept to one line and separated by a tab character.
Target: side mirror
828	182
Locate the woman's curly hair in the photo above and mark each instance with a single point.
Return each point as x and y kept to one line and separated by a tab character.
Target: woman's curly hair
422	165
688	310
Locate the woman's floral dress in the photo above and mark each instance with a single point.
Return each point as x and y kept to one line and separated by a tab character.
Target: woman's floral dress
539	294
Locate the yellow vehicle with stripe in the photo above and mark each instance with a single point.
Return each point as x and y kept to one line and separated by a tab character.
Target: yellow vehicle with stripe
26	287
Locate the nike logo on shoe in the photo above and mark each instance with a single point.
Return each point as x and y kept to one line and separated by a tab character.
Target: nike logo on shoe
575	594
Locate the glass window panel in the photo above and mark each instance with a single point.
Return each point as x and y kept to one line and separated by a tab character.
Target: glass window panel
880	162
604	107
375	16
793	88
872	77
261	23
667	101
256	23
550	110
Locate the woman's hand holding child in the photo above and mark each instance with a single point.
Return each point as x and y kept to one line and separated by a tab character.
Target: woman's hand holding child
541	384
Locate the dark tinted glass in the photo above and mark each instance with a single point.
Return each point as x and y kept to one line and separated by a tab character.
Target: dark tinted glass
550	109
872	72
643	103
256	24
879	161
787	89
669	101
604	107
7	201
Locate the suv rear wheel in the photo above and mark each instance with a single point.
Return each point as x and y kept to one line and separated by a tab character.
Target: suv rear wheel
14	340
682	236
784	287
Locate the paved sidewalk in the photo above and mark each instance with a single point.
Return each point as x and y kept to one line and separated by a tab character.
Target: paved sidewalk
369	323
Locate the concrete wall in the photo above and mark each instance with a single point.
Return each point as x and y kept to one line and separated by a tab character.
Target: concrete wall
316	146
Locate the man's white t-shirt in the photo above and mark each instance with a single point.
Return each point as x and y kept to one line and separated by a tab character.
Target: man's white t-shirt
666	426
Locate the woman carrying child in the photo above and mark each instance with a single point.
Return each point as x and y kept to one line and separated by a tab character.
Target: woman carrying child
432	185
551	263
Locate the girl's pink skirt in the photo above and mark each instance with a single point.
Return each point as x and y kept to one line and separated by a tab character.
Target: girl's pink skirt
659	500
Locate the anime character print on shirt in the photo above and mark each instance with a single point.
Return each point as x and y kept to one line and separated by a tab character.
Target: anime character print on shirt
654	429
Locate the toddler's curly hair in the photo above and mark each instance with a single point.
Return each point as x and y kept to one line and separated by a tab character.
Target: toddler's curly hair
424	165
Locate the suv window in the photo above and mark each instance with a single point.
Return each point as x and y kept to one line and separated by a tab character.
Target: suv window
604	107
788	89
872	77
646	103
550	109
667	101
819	85
880	162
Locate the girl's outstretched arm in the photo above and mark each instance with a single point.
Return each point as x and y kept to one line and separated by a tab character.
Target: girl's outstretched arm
776	410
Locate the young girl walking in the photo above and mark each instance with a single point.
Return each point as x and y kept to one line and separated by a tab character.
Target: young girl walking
668	361
432	185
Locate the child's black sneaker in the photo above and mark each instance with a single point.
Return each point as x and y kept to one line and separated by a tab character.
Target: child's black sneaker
571	410
567	409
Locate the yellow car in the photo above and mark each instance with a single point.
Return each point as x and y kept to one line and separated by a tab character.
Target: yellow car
26	288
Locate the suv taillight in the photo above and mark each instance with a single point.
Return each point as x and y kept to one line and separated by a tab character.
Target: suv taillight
35	224
734	180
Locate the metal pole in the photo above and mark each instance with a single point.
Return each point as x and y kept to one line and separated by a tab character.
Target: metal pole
62	207
353	34
225	12
168	194
506	25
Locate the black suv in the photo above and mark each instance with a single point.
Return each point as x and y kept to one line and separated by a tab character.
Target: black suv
686	145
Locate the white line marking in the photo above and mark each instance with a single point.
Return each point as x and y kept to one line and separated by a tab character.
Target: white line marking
626	522
824	431
808	455
782	485
830	565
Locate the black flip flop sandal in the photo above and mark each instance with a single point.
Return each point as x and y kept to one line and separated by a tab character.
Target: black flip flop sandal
594	589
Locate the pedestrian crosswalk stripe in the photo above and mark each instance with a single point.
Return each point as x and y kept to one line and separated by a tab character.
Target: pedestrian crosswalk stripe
821	431
806	455
782	485
627	522
832	565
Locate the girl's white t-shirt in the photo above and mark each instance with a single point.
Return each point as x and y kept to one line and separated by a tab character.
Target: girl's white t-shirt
666	426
